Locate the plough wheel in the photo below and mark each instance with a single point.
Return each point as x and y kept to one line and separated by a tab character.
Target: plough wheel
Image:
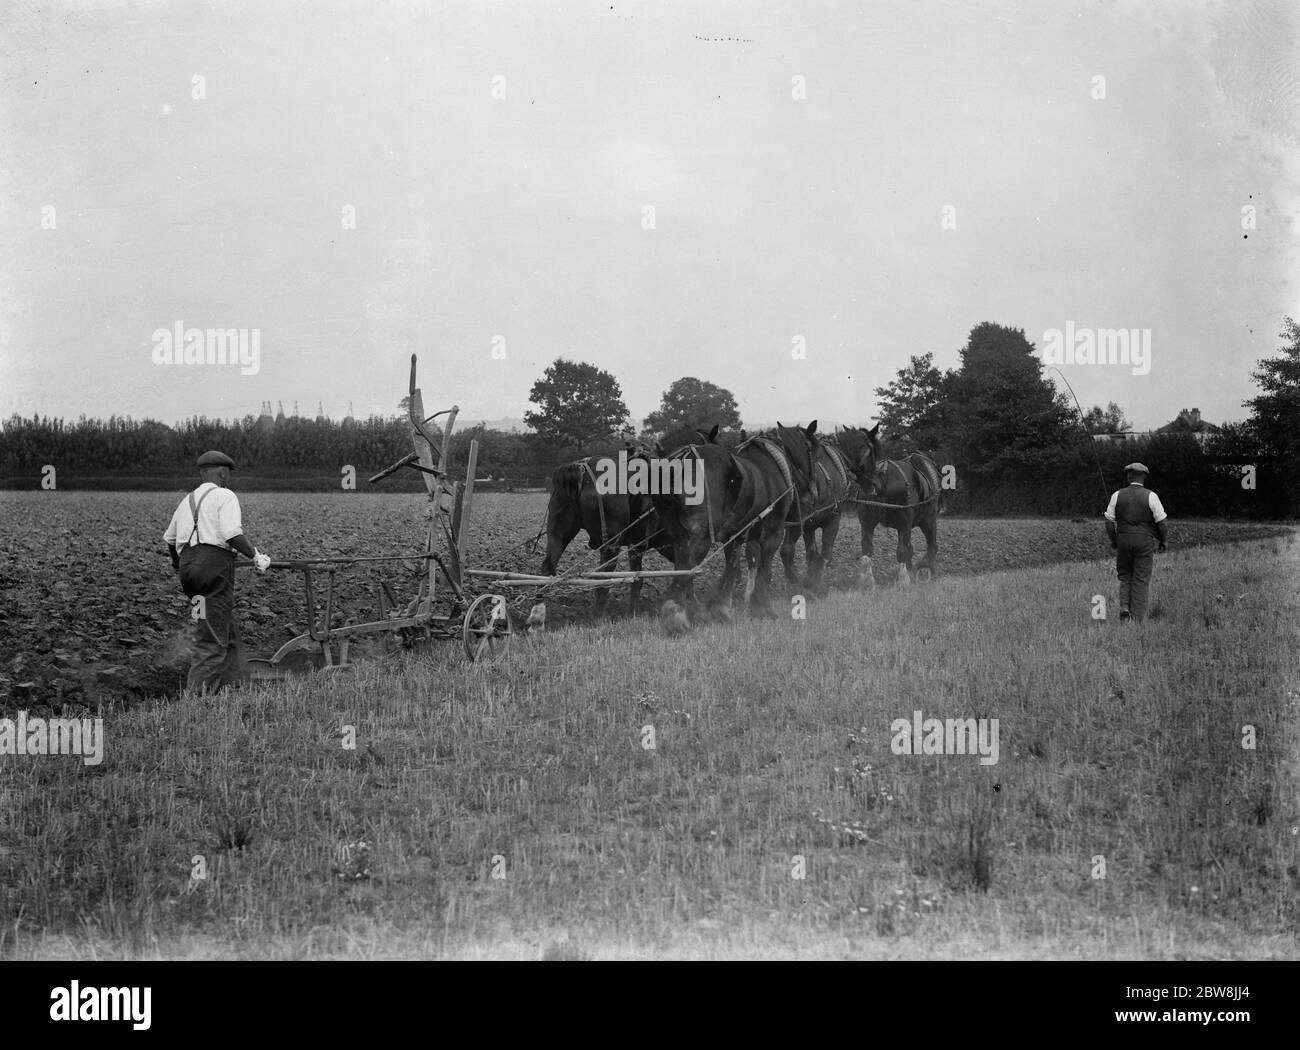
487	628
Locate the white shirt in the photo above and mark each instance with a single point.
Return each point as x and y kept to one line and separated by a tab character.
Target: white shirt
219	518
1153	501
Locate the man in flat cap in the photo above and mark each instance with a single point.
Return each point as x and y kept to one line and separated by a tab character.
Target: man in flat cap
203	536
1135	521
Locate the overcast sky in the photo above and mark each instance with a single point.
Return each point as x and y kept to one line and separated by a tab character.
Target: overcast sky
522	217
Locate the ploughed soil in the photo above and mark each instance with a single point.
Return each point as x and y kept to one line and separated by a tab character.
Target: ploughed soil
92	614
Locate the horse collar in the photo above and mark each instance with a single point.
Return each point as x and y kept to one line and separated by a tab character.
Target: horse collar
778	455
837	457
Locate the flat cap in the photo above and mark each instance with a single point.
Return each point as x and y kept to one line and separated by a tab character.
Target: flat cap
214	458
1136	468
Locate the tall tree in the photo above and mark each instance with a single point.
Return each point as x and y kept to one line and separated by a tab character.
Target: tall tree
913	403
1003	414
579	403
692	402
1275	413
1109	420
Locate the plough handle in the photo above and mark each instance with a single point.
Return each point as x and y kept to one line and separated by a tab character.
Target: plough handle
408	458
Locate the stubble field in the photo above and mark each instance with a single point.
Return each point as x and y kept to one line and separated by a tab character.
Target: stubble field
607	791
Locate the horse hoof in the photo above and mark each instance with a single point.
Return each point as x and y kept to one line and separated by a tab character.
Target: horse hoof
672	618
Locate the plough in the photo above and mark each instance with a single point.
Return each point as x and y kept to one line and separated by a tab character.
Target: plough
481	622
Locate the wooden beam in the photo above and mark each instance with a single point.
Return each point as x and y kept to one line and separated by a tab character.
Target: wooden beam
464	504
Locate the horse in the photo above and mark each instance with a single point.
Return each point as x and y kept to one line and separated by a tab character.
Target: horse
822	485
746	494
911	487
612	520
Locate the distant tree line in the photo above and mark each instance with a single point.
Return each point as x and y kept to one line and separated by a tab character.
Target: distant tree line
1016	444
120	447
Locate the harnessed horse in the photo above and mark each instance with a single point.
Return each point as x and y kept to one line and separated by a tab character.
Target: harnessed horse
905	494
746	499
822	482
612	520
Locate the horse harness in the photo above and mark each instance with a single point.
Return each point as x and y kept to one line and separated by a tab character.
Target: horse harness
837	457
600	503
883	468
778	457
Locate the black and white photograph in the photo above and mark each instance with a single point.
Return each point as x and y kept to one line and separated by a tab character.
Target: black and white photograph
624	481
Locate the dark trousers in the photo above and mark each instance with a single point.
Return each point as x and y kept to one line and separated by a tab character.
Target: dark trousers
1134	557
218	653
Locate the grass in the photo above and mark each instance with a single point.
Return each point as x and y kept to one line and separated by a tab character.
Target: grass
514	811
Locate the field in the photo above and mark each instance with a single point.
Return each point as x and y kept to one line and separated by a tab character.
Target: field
517	809
91	611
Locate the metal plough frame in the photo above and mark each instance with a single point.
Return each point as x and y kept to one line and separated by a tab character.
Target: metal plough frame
482	623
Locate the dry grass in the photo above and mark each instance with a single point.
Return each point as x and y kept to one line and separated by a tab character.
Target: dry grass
771	742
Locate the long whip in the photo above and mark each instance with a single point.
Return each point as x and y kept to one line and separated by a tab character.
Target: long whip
1101	475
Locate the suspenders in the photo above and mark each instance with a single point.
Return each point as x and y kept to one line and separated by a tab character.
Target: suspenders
194	510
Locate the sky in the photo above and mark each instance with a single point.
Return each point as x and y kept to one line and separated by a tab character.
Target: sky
352	183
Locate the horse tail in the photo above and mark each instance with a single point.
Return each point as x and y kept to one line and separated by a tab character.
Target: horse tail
925	463
563	512
568	479
566	494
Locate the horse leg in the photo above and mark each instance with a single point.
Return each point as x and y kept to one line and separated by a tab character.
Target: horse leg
730	575
608	563
682	589
813	581
789	538
634	563
753	551
829	532
904	554
930	529
761	574
867	522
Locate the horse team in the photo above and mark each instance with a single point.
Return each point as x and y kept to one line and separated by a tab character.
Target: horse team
758	497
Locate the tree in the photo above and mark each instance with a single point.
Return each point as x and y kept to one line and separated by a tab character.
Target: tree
1274	412
1274	416
692	402
580	403
1003	415
1106	421
913	403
